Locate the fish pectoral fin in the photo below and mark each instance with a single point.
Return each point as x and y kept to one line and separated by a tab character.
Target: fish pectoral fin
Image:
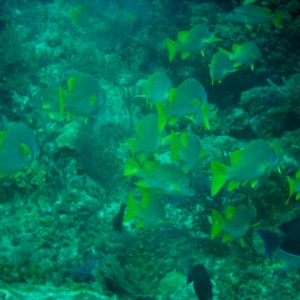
276	265
185	54
253	183
232	185
226	238
242	242
142	184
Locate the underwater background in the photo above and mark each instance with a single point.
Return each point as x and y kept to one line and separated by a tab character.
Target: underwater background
149	149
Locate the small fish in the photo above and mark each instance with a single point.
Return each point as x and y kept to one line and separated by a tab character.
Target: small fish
83	96
234	224
157	88
201	281
163	177
117	222
190	41
220	67
253	14
186	148
183	101
149	212
245	54
294	184
257	159
283	248
18	147
147	139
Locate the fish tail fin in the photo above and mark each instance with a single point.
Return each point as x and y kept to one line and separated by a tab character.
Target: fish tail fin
172	49
277	19
131	168
131	210
162	115
219	176
271	240
292	186
175	145
217	224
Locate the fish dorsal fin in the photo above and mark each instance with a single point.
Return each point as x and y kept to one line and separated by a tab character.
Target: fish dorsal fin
236	156
182	35
229	212
236	47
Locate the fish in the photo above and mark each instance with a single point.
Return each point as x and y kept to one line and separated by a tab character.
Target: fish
157	88
149	212
117	222
147	140
253	14
257	159
294	184
244	54
234	224
283	247
186	149
83	97
183	101
166	178
198	274
190	41
18	148
220	67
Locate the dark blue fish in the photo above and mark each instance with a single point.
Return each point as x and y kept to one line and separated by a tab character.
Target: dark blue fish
202	284
283	248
